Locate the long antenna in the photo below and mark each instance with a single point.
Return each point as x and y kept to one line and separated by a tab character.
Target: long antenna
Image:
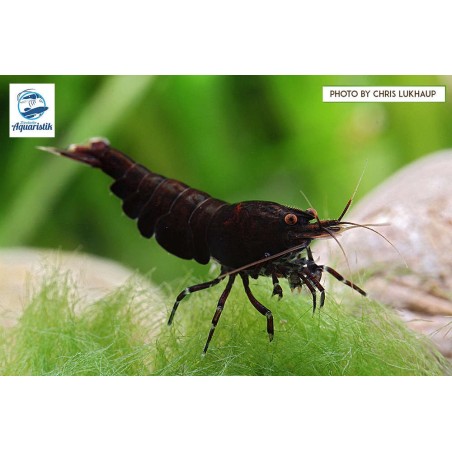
265	259
307	199
349	203
367	226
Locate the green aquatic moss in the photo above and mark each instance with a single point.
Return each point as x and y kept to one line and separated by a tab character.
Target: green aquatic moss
56	336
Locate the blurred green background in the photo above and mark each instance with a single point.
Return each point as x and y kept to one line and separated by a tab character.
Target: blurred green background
236	137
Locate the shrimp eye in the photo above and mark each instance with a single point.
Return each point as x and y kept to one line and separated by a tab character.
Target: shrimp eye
290	218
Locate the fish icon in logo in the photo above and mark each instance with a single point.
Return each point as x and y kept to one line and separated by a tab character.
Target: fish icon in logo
31	104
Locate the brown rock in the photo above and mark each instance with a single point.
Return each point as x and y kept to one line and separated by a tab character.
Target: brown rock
23	270
417	279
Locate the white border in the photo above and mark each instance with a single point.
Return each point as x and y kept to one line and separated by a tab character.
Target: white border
234	37
210	413
224	414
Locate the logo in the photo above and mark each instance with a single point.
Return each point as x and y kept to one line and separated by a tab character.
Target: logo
32	105
32	110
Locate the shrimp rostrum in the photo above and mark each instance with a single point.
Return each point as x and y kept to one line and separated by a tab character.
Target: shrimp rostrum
248	239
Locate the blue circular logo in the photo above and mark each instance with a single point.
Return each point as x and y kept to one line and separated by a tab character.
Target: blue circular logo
31	104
